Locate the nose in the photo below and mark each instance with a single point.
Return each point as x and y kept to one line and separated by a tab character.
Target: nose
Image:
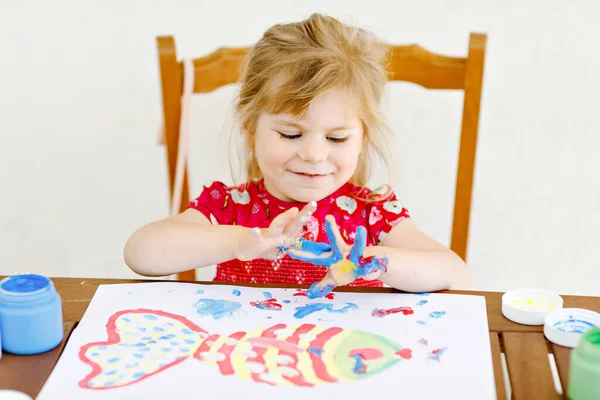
313	149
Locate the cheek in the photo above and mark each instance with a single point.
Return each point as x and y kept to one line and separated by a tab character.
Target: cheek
271	152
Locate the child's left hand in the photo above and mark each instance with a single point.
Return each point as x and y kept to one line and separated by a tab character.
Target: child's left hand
346	263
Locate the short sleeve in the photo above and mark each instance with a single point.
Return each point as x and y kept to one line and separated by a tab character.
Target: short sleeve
383	216
216	204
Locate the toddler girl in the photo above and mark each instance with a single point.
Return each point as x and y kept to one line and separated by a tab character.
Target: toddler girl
309	114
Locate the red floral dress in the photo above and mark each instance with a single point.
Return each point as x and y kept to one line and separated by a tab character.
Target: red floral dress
251	205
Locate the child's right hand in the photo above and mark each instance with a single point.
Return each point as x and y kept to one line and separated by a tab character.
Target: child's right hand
265	243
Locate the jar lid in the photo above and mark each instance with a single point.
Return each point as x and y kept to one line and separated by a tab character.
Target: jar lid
565	327
529	306
24	284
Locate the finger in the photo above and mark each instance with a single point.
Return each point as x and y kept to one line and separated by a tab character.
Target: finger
322	288
360	241
278	224
296	224
324	259
333	234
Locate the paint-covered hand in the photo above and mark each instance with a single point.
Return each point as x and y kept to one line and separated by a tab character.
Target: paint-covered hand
267	243
345	263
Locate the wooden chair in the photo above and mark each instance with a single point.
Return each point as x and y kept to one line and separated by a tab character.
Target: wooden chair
410	63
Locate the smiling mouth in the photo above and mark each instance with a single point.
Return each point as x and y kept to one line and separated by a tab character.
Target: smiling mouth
312	176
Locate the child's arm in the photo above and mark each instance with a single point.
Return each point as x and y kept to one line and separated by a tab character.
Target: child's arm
188	240
417	263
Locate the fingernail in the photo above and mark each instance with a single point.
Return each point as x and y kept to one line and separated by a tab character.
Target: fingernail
255	231
313	204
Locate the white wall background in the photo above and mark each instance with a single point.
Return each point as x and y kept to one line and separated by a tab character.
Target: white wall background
80	105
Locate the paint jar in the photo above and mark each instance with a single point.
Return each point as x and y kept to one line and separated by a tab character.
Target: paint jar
584	376
30	314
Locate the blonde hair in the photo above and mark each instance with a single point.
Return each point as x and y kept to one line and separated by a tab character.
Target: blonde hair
294	63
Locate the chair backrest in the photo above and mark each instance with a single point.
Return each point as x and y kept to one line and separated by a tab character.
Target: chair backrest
410	63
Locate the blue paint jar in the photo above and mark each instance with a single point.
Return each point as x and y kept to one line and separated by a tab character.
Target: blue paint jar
30	314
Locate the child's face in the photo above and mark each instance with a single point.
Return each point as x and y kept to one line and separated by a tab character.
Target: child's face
308	159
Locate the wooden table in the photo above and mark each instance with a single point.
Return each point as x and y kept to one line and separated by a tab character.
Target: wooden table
525	347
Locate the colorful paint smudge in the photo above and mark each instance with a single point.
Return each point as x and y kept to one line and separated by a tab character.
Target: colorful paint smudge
437	314
217	308
141	343
422	303
200	291
574	325
381	312
301	292
423	342
270	304
436	354
236	292
308	309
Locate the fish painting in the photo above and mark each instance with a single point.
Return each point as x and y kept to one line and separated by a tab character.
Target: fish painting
142	342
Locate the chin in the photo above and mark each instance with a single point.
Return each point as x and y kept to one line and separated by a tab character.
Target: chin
306	195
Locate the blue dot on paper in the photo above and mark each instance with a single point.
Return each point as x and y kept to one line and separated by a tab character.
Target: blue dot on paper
95	354
174	343
167	349
236	292
158	329
114	360
150	317
144	348
317	351
126	319
110	383
184	349
422	303
437	314
287	301
138	355
421	322
111	372
190	341
199	291
138	375
186	331
268	295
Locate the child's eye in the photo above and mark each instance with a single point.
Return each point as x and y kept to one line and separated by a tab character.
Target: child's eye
289	135
337	139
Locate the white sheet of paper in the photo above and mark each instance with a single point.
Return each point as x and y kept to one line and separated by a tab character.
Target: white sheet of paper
440	350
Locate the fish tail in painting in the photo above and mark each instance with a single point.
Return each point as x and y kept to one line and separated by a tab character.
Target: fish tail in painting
140	343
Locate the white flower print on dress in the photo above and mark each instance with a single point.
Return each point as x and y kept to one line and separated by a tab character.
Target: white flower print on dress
240	197
215	194
374	216
310	230
393	206
346	203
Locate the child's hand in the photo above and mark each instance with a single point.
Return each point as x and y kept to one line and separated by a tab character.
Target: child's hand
266	243
346	263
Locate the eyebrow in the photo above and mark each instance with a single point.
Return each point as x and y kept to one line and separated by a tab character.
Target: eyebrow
301	127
